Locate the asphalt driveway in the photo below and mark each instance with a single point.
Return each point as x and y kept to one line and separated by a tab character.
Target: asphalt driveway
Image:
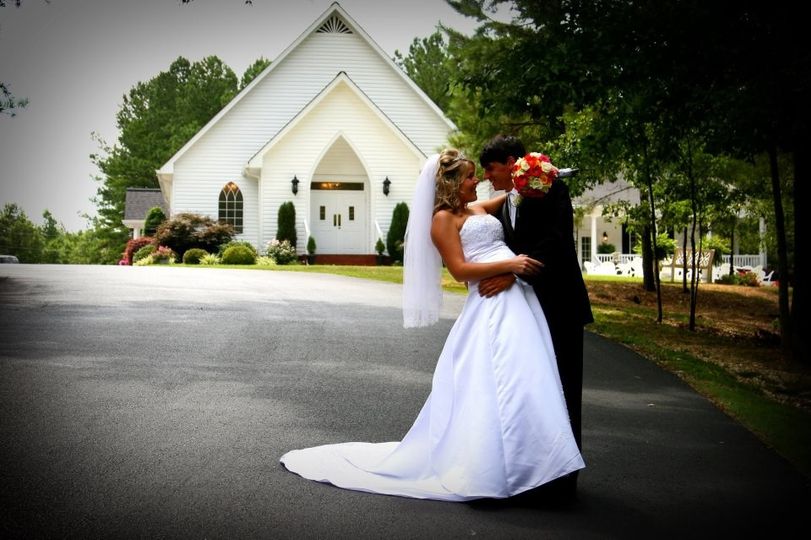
155	402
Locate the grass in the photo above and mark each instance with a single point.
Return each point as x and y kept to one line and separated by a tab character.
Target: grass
693	356
783	427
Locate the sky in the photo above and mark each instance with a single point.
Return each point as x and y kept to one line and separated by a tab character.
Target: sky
75	59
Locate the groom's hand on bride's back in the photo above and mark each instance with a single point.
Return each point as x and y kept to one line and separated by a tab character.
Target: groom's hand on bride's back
493	285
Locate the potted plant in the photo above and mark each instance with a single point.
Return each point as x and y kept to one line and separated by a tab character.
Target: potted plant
311	250
380	247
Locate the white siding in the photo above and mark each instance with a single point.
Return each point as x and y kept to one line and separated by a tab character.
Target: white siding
382	153
221	154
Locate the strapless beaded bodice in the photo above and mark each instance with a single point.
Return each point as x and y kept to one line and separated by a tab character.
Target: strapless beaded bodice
483	239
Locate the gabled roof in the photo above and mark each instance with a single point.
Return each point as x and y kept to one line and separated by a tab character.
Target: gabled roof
352	26
342	78
139	201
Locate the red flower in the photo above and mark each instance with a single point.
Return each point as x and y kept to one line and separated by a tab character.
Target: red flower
533	175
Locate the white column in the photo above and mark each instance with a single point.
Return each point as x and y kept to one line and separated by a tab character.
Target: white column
594	239
762	231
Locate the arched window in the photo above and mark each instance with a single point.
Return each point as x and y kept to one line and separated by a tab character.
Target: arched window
231	206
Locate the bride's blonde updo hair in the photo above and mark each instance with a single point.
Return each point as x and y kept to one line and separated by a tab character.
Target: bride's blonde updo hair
452	170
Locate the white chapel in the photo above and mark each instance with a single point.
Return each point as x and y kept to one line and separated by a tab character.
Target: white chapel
332	125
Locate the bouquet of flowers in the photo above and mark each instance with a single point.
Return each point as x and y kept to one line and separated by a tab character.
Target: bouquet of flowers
533	175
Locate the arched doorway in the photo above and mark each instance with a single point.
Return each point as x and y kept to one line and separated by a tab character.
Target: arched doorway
339	202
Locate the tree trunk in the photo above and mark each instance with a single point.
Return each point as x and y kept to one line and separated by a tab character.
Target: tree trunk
782	254
655	261
732	246
799	304
684	288
648	260
695	216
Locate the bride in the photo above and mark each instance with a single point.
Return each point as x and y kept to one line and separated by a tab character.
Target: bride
495	423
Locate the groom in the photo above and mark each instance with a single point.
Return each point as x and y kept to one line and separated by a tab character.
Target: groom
542	228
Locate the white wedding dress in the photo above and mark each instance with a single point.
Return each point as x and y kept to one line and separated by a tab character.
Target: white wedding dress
495	423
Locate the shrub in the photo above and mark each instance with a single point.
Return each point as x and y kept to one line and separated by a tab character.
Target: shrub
194	255
134	245
606	248
281	252
233	243
238	255
143	253
286	226
265	261
396	234
154	217
665	247
311	245
163	254
210	259
186	231
748	279
380	247
720	246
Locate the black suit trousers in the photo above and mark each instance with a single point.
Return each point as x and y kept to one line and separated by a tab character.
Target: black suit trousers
568	342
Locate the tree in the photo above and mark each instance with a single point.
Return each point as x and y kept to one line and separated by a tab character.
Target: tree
154	217
52	233
693	79
186	231
396	235
156	119
427	64
8	102
19	236
286	223
253	70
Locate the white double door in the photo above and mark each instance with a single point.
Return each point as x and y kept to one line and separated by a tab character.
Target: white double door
338	221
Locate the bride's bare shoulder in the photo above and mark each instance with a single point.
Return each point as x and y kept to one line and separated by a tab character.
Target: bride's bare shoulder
442	215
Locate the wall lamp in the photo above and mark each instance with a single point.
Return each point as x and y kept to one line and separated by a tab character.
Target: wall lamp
294	183
386	184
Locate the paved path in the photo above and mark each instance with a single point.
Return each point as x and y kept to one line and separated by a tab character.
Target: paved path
155	402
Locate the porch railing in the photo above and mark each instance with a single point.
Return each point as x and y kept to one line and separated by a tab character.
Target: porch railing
745	260
738	260
619	258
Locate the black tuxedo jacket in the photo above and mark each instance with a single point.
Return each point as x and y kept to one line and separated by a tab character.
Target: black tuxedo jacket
543	230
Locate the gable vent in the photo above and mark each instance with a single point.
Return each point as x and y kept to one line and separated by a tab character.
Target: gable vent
334	25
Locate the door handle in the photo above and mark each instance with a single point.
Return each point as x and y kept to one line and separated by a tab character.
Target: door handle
339	221
334	220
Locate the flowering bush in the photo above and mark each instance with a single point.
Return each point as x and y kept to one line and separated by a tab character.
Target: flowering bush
163	255
282	252
133	246
748	279
533	175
